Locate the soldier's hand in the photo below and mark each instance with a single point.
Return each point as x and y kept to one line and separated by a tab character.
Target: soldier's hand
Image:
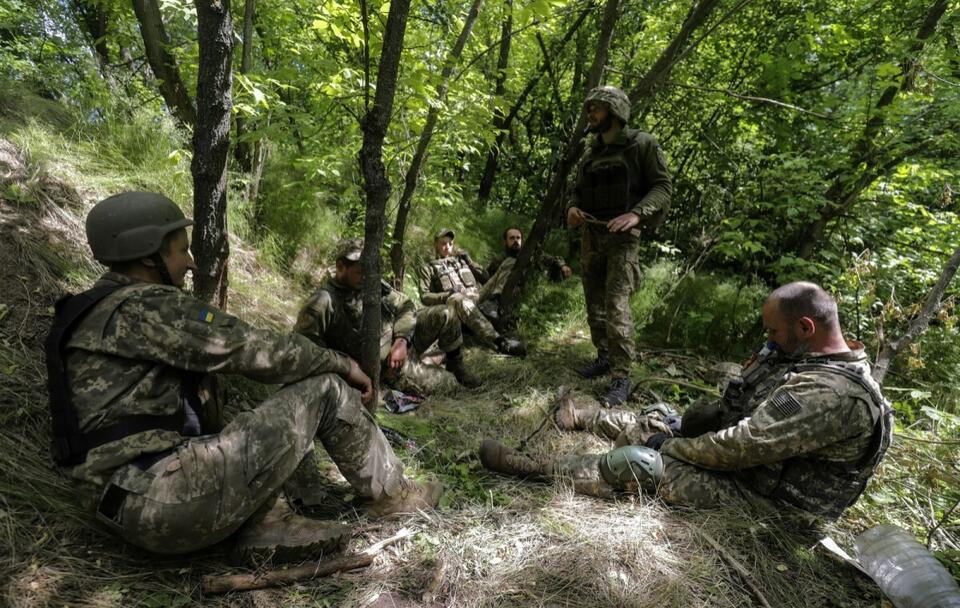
624	222
575	217
566	271
398	354
360	381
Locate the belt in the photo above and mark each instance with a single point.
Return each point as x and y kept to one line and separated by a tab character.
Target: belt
112	500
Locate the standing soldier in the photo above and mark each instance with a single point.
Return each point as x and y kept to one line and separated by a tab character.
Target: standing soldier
135	420
622	184
455	280
333	315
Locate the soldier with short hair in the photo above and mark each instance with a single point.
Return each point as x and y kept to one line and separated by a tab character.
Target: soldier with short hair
622	185
455	280
333	315
137	423
804	427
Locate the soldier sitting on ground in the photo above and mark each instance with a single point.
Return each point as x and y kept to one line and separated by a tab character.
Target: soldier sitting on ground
500	267
136	421
332	318
455	280
805	427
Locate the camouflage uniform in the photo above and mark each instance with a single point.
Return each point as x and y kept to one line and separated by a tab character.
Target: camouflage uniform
551	264
628	174
333	315
800	434
455	282
135	353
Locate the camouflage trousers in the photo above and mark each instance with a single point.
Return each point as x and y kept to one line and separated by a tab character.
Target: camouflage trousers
495	284
470	315
438	324
212	484
610	274
681	484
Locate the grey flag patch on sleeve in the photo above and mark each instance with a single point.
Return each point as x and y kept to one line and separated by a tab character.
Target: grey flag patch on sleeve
784	405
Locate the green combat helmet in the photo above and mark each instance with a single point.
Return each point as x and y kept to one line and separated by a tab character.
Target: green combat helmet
615	98
131	225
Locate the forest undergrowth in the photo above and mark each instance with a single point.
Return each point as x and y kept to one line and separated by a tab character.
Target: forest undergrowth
494	541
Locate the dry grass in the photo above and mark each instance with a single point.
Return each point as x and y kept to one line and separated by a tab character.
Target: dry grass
495	542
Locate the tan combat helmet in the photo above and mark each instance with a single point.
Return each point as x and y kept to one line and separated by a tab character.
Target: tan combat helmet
615	98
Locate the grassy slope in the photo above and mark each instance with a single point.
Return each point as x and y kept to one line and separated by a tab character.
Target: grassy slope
495	542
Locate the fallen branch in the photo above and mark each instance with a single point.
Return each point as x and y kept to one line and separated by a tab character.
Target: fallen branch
658	380
563	394
214	584
918	325
736	565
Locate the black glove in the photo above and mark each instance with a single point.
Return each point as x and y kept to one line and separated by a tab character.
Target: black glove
656	441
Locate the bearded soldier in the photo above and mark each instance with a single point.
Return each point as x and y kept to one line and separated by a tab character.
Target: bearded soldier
622	185
804	427
332	318
136	423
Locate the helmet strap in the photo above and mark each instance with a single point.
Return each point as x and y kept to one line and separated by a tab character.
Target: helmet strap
162	268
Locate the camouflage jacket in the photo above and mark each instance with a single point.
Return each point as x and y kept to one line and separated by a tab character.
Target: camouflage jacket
808	434
552	264
441	277
128	356
333	315
628	174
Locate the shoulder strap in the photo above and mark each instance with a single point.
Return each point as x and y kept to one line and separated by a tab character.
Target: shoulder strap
881	412
69	445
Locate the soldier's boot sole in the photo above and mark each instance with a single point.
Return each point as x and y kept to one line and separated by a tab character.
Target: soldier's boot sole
288	538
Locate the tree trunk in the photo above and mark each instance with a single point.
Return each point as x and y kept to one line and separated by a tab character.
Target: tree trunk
211	145
499	117
413	172
243	151
376	185
163	64
493	156
93	20
552	202
845	190
920	324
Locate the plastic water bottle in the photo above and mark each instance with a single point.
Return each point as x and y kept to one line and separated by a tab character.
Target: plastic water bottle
905	571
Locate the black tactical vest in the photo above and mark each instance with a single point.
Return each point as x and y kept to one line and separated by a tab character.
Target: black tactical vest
68	444
611	182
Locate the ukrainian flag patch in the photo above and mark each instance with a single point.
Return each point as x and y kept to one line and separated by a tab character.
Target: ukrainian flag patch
205	315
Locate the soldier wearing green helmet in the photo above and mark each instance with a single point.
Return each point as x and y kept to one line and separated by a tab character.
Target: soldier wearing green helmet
622	187
136	418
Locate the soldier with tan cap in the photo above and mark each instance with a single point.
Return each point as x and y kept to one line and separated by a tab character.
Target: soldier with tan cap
137	423
455	280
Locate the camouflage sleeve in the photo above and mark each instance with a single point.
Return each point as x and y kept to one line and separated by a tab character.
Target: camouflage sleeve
494	265
428	297
573	192
405	316
170	327
653	165
804	415
315	317
553	264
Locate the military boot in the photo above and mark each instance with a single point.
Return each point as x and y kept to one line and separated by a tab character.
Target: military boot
511	346
412	497
617	393
571	418
458	367
277	533
499	458
596	368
